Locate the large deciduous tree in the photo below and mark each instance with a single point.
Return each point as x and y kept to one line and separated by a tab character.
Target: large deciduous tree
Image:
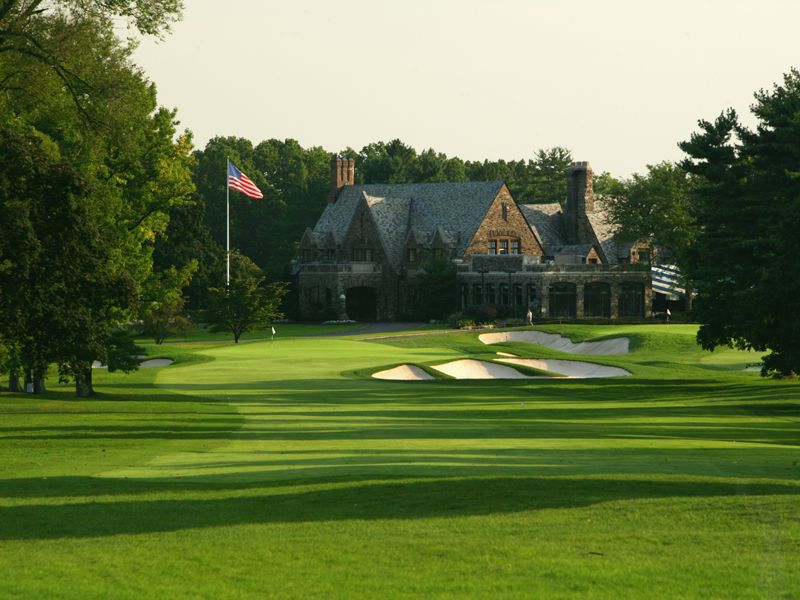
654	208
743	262
87	245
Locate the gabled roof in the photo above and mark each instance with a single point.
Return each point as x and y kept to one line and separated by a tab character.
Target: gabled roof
390	216
575	249
547	220
604	230
454	209
308	239
547	224
328	240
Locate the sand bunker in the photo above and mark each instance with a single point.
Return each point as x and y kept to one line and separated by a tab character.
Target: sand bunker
469	368
155	362
573	369
404	373
147	364
558	342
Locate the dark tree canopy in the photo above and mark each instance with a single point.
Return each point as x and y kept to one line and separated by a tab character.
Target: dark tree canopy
102	167
655	208
743	262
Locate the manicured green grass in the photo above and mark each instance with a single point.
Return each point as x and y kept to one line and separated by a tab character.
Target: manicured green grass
276	469
283	330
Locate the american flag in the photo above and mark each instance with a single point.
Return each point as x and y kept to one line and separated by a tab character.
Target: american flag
241	182
666	280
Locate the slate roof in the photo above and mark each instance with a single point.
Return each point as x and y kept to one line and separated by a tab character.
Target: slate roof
575	249
547	220
391	217
604	230
547	223
453	211
456	210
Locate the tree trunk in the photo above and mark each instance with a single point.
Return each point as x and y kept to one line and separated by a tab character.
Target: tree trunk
28	379
83	383
13	381
39	374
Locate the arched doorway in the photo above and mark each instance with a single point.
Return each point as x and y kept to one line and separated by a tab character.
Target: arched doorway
597	299
362	304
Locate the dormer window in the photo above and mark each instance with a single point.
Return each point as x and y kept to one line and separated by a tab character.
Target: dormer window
411	255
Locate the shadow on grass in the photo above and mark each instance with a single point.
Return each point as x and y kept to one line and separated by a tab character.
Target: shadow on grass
344	391
414	499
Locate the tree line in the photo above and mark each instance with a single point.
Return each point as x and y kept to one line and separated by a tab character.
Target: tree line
727	214
91	171
295	182
109	216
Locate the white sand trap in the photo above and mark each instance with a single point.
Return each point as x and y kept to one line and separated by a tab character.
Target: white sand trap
404	373
155	362
558	342
574	369
469	368
506	354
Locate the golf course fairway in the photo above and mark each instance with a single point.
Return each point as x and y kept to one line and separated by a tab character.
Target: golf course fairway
282	469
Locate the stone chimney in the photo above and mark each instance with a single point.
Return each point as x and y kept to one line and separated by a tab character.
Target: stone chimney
579	201
343	172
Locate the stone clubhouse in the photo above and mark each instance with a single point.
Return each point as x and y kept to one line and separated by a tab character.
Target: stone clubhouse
371	242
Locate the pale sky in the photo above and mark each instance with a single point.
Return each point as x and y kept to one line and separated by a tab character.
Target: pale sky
618	82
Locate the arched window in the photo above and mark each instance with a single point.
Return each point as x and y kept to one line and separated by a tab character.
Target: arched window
563	300
531	298
631	300
477	293
597	299
490	294
504	297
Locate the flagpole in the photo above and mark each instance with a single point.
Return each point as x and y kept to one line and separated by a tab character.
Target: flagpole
228	222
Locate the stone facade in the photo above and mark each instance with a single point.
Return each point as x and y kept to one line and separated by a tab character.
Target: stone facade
508	283
362	258
504	220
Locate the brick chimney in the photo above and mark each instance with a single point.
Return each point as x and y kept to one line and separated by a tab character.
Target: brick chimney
579	201
343	172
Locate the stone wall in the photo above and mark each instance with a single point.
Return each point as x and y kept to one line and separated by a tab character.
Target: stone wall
541	278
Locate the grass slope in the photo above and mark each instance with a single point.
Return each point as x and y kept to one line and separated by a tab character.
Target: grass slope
279	470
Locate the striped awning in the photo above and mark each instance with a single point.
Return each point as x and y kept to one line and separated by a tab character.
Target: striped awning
666	280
